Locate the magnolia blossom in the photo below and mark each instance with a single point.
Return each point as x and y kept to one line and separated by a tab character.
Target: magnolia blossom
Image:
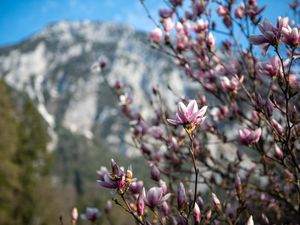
248	136
200	25
270	34
197	213
230	85
271	68
290	36
90	214
240	11
189	115
117	179
155	197
136	187
140	205
210	41
250	221
155	36
74	215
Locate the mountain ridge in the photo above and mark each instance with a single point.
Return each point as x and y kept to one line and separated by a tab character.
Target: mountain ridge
54	68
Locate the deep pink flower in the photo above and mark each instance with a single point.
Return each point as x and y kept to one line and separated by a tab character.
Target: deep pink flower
248	136
189	115
155	197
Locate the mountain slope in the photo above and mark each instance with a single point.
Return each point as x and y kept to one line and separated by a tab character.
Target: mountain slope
54	68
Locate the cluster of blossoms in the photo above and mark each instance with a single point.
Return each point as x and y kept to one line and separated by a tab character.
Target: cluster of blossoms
231	155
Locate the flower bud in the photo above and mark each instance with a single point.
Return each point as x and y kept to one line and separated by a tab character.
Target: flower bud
74	216
166	209
238	185
155	174
277	152
140	205
250	221
216	203
108	206
181	197
197	213
200	202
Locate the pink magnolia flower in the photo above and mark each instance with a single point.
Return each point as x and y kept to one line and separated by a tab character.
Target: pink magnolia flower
117	179
200	25
248	136
155	36
222	11
271	68
239	12
74	215
210	41
155	197
290	36
230	85
189	115
91	214
270	35
140	205
136	187
197	213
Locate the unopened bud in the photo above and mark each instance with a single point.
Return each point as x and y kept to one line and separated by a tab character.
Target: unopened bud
277	152
217	203
74	216
250	221
155	174
197	213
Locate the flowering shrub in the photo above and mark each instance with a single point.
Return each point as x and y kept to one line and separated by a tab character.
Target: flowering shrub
232	155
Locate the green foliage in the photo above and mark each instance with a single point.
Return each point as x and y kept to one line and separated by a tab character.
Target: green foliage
24	167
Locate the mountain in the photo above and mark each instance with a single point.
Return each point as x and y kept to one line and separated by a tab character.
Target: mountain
54	68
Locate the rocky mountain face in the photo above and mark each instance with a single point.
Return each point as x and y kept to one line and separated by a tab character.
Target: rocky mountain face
54	68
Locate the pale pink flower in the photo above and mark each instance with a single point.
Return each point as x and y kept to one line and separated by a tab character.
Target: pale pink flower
197	213
248	136
155	197
270	35
189	115
74	215
222	11
239	12
155	36
210	41
271	68
290	36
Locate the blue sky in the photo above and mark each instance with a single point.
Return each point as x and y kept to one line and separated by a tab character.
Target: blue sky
21	18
